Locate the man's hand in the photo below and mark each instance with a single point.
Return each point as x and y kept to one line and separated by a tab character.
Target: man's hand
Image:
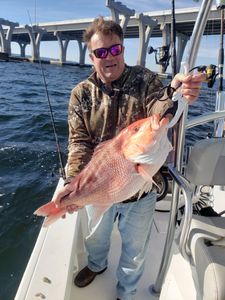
189	85
61	195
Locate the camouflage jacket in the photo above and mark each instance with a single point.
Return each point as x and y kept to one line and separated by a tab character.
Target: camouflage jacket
96	113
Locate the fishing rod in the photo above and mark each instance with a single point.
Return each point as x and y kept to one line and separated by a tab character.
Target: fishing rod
60	158
220	97
162	55
61	164
221	52
163	52
173	41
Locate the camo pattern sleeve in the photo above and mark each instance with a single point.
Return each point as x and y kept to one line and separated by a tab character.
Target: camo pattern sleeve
80	145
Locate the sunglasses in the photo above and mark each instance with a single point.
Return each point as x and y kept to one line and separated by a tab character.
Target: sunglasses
103	52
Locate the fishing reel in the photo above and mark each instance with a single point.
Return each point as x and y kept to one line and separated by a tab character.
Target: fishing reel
220	4
210	71
162	55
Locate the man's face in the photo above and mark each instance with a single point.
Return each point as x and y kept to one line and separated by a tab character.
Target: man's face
111	67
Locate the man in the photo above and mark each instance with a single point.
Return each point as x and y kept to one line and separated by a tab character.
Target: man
114	96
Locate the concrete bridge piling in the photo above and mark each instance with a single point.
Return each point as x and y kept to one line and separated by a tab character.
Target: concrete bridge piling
6	35
35	33
120	13
146	25
135	25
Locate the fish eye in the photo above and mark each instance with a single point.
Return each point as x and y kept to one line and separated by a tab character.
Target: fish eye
135	129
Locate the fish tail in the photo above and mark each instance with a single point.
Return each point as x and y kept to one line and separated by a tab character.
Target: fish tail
51	212
46	209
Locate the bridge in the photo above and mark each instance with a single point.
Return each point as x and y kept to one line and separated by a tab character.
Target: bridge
142	26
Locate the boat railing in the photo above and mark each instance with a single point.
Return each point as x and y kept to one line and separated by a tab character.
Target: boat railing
191	57
205	118
182	184
187	192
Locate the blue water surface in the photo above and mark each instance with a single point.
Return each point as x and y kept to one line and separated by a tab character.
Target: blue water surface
29	168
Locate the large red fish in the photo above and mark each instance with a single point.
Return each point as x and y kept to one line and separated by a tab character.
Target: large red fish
119	168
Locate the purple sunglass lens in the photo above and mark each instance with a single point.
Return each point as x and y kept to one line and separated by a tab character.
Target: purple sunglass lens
115	50
101	52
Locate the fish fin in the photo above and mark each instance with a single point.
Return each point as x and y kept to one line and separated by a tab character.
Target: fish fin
147	187
153	181
52	218
96	212
142	169
51	212
46	209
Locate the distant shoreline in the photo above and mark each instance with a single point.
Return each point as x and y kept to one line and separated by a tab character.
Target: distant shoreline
13	58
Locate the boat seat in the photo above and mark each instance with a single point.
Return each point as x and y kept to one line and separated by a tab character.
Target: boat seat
206	164
207	245
206	240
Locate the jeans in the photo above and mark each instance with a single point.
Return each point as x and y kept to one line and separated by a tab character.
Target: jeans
134	224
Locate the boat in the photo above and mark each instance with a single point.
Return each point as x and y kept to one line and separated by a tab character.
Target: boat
185	261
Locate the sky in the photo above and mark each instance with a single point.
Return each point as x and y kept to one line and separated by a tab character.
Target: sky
38	11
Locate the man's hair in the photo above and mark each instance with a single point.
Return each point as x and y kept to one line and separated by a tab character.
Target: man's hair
106	27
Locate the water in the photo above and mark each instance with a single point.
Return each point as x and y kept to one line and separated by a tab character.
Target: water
28	158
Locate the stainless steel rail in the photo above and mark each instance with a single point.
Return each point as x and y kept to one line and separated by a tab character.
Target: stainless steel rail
192	54
187	193
205	118
220	106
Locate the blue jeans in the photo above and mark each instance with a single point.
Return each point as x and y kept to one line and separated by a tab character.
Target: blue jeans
134	224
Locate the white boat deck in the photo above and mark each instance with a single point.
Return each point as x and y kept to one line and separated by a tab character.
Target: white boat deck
48	273
59	254
104	285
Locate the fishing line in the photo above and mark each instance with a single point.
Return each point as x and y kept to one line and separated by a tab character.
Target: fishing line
173	41
62	170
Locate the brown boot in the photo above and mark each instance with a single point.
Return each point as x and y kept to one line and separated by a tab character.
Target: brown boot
86	276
